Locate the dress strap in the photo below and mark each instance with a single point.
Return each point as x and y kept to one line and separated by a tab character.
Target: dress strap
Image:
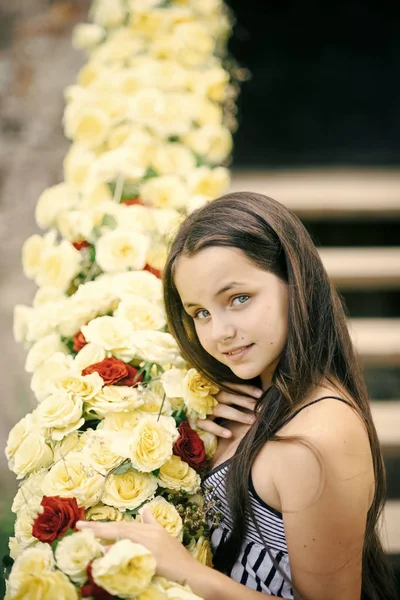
310	404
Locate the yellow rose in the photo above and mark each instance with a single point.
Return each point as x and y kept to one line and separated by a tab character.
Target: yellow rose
211	141
60	413
70	478
153	592
102	512
155	346
99	451
201	551
173	159
212	82
52	202
32	255
209	440
114	398
176	475
89	355
37	559
76	165
154	403
166	191
48	294
208	182
108	13
141	313
45	585
196	43
129	490
111	333
166	514
166	221
86	124
173	382
24	524
206	112
199	394
141	283
149	446
157	256
121	421
120	250
58	266
73	442
32	455
42	350
18	433
21	318
84	386
51	370
86	36
29	493
178	592
126	570
75	552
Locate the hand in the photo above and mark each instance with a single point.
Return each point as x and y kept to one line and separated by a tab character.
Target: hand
172	559
225	410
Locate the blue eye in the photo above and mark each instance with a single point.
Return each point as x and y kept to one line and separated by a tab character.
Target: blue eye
196	315
241	296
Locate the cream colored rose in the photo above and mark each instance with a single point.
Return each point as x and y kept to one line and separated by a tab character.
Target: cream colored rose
37	559
48	295
141	313
18	433
73	442
209	440
43	321
129	490
125	570
120	250
178	592
51	370
140	283
76	165
150	444
45	584
167	191
155	404
69	478
52	202
102	512
21	317
114	398
75	552
84	386
155	346
157	256
29	493
196	43
42	350
23	526
201	551
153	592
176	475
32	255
135	218
32	455
167	221
199	394
101	451
213	83
75	312
166	514
206	112
86	124
208	182
173	382
86	36
211	141
89	355
173	159
108	13
120	421
14	548
60	413
197	201
120	164
110	333
58	266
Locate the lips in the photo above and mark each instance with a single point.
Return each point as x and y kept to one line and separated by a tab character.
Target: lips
236	350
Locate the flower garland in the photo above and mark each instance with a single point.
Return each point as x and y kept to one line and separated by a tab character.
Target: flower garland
150	122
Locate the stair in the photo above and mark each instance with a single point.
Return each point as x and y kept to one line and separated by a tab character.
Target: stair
348	206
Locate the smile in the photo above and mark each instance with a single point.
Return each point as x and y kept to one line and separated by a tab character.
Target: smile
239	353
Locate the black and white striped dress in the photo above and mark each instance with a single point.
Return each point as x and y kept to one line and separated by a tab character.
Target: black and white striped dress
254	567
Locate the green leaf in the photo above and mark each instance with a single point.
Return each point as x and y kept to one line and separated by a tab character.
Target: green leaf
180	415
156	472
122	468
89	424
7	563
129	190
108	221
58	540
150	173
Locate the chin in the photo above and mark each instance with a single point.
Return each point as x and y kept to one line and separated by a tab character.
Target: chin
246	372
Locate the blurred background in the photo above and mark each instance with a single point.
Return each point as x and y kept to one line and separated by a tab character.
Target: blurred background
319	129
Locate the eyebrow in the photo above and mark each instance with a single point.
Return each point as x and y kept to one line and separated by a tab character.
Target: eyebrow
226	287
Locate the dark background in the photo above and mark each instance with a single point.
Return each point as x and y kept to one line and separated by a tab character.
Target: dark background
325	87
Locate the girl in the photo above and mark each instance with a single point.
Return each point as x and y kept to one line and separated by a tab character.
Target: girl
299	480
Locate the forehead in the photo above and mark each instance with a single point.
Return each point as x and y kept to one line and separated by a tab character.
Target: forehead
199	275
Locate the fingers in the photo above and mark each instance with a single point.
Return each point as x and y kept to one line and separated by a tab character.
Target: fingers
244	389
211	427
233	414
225	398
105	531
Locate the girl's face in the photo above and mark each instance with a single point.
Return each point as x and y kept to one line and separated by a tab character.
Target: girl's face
240	311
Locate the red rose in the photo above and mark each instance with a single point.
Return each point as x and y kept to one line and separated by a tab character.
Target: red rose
155	272
81	244
132	201
114	372
92	590
79	341
59	515
190	447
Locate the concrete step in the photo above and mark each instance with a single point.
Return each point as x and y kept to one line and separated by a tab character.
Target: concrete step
386	415
323	193
377	340
390	527
353	268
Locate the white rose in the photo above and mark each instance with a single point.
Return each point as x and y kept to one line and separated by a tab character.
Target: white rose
48	294
173	382
120	250
21	317
211	141
167	221
32	250
155	346
197	201
76	165
58	266
23	526
32	455
87	124
114	398
196	43
119	163
73	442
75	552
173	158
141	313
101	451
18	433
205	112
135	218
52	202
213	83
32	560
108	13
84	386
42	350
129	490
167	191
43	321
69	478
120	421
56	367
208	182
89	355
141	283
29	493
86	36
61	413
111	333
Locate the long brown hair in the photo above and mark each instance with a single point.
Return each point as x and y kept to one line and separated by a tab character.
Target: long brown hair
318	347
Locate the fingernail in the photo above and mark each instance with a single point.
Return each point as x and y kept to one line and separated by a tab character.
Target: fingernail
227	433
259	393
252	419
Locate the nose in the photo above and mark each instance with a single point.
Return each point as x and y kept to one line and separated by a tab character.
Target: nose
222	330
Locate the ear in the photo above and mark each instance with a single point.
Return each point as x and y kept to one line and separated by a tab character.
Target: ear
148	517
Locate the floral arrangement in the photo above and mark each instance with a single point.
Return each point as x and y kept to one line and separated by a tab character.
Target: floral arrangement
114	432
